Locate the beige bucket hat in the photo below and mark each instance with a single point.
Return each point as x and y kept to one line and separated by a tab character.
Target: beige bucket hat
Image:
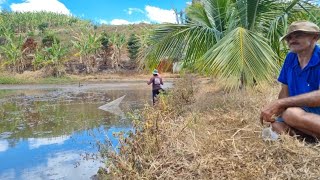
305	26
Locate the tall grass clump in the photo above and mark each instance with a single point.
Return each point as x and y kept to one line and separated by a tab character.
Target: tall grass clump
212	134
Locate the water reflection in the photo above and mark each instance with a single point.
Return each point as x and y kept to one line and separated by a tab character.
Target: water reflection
52	133
64	157
37	142
3	145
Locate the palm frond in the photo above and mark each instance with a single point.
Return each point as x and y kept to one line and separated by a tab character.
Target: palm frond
184	42
197	14
241	55
217	11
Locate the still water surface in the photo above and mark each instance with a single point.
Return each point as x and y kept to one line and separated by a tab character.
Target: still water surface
53	131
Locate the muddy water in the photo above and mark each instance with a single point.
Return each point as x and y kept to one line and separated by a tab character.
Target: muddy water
54	131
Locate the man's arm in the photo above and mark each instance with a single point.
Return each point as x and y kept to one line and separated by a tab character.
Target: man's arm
284	92
276	108
311	99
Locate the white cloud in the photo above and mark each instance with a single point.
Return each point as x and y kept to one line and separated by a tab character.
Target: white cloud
61	165
189	3
158	15
37	142
3	145
125	22
132	10
40	5
119	22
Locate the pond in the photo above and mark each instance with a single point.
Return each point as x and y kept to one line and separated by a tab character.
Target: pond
54	131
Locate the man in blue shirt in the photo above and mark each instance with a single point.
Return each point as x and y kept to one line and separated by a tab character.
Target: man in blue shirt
297	110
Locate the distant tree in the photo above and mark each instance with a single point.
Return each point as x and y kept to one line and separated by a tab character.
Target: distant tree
133	46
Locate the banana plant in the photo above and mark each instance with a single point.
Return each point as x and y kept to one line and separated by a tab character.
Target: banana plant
87	45
30	21
52	57
56	57
12	52
118	41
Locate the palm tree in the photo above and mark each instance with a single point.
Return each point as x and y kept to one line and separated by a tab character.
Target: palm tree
231	39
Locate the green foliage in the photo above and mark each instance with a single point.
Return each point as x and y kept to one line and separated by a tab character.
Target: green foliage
12	52
118	40
133	46
49	39
30	21
10	80
51	57
43	26
104	38
235	58
87	45
216	31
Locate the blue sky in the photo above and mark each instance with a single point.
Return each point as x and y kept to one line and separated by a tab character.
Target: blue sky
104	11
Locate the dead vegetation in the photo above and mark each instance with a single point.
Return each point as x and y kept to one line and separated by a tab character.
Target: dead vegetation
210	134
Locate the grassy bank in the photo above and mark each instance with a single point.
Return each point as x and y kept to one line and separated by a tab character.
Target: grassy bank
199	131
33	78
37	77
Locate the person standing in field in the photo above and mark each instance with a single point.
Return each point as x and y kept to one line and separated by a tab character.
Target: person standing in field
156	82
297	110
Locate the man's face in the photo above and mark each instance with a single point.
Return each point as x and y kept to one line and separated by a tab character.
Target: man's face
300	41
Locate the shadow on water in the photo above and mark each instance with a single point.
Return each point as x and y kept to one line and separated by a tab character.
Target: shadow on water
53	133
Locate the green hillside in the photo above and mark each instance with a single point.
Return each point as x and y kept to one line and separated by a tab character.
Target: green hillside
59	44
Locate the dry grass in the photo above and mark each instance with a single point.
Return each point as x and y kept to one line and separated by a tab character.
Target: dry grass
210	134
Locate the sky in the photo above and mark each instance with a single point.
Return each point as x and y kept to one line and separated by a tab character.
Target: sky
114	12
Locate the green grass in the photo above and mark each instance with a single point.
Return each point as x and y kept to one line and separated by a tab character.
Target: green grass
11	80
7	79
56	80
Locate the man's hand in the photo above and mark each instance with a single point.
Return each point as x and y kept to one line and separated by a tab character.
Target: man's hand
271	111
